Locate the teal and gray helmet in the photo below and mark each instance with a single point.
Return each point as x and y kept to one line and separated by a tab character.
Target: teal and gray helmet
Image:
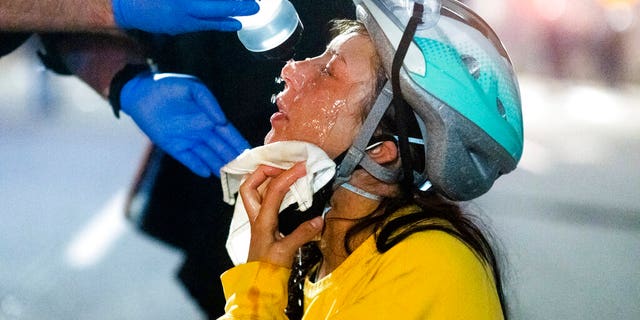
452	73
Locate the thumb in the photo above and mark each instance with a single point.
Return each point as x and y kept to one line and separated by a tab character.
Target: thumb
304	233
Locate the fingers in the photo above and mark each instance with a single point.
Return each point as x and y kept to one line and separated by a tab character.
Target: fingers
209	157
233	137
282	251
263	208
218	145
194	163
218	24
251	197
221	8
221	126
304	233
228	143
276	190
197	156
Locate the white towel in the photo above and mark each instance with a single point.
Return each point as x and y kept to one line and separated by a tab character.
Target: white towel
283	155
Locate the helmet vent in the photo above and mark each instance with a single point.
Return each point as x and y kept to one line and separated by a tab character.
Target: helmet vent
472	65
501	110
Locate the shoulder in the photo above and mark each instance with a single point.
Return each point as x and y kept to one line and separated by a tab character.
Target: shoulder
436	249
435	241
441	262
447	272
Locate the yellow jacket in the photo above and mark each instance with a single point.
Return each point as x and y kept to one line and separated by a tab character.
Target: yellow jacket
429	275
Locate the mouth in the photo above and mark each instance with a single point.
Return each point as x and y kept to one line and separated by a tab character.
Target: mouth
278	98
281	114
278	116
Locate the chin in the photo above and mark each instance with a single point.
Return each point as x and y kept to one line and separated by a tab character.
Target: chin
270	137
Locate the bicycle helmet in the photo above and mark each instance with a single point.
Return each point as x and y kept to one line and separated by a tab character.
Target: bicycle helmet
452	73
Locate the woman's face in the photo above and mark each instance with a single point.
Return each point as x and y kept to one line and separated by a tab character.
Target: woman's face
323	96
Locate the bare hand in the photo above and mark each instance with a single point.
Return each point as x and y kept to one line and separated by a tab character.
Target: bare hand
262	193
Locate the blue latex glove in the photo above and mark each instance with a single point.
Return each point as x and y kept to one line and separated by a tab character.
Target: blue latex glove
181	116
181	16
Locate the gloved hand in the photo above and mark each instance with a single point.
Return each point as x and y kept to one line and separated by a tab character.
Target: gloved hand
181	16
181	116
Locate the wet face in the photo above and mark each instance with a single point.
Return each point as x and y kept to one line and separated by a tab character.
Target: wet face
323	97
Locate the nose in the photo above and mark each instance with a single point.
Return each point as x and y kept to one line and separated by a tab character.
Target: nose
293	73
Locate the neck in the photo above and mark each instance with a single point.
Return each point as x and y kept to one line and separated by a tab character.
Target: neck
347	208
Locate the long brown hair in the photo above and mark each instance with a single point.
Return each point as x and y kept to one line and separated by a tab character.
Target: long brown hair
436	213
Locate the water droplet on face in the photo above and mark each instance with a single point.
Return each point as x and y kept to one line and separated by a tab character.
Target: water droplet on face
278	80
323	126
332	114
274	97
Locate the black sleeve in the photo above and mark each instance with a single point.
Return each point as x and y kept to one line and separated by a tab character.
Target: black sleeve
49	55
10	41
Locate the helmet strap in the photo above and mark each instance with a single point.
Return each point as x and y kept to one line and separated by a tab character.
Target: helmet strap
357	153
401	107
361	192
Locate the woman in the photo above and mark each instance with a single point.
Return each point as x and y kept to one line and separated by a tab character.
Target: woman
383	251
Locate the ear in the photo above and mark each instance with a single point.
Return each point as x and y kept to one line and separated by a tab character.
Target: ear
384	153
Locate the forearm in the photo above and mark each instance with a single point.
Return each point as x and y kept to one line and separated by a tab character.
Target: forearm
56	15
255	290
95	59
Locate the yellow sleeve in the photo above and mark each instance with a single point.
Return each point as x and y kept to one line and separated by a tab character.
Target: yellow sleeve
255	290
430	275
